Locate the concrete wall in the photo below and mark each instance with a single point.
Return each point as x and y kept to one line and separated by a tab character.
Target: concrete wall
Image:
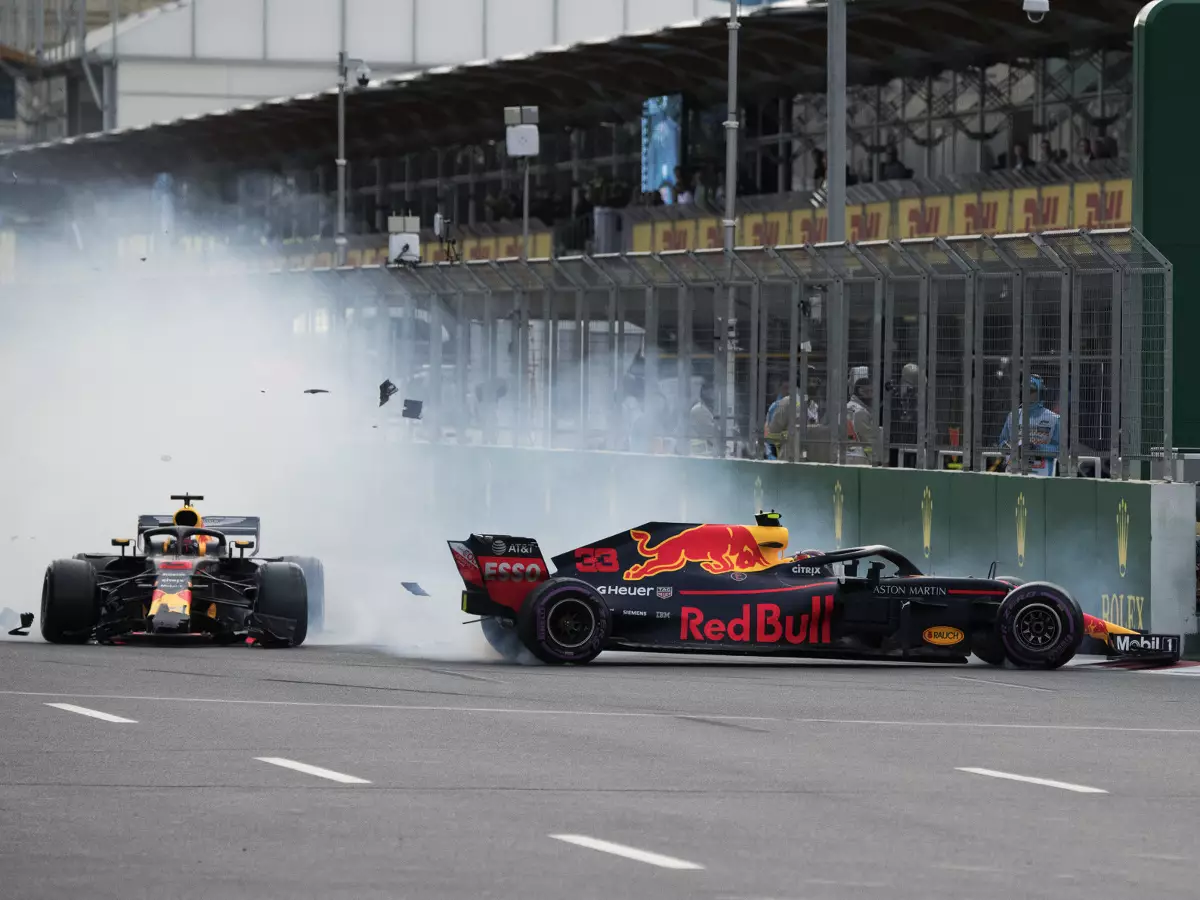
207	55
1124	549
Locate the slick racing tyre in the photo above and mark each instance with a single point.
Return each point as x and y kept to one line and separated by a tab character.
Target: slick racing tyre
1040	626
70	602
502	634
989	648
282	594
564	620
314	577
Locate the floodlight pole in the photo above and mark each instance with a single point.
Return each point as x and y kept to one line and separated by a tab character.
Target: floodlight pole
725	336
731	131
340	240
835	162
525	216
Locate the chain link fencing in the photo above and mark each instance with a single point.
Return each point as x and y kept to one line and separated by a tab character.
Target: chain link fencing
919	353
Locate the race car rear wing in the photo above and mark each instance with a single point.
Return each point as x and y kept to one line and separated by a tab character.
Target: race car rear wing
233	526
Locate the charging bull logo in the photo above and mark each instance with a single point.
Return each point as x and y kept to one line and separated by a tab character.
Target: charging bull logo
718	548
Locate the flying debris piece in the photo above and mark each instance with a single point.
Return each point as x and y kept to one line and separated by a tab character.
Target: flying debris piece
413	588
314	391
385	392
412	409
23	631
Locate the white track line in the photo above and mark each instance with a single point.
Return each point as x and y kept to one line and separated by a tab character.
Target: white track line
1024	687
311	770
591	713
654	859
94	713
1046	782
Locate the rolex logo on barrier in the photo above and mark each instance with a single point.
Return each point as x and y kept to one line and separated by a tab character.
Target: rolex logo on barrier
1022	518
838	502
927	520
1122	536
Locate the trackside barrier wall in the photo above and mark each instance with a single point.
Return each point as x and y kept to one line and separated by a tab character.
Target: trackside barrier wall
1124	549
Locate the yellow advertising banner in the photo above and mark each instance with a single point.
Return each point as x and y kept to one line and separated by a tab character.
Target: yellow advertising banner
1106	204
1091	205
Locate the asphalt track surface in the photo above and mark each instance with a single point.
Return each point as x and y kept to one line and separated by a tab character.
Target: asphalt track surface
743	780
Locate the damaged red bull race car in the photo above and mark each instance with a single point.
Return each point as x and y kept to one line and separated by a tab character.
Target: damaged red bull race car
191	580
733	590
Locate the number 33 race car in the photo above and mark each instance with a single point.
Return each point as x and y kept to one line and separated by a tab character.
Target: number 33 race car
188	584
731	589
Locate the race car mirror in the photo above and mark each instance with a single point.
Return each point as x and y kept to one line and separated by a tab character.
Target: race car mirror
243	546
122	543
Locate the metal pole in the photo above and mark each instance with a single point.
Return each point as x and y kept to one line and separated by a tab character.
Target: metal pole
731	131
525	216
835	170
341	161
731	171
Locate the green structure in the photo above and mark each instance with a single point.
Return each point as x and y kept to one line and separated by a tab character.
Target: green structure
1165	191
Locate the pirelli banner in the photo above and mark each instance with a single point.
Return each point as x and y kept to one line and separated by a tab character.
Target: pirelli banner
1125	550
302	255
1107	204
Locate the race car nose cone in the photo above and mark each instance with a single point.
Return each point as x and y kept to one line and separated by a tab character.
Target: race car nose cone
166	622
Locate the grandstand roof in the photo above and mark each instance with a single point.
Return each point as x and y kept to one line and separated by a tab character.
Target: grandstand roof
782	49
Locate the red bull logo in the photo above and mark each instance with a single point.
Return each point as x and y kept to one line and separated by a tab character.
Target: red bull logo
1094	627
717	548
761	623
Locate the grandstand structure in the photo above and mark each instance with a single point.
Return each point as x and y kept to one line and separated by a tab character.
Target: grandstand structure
965	119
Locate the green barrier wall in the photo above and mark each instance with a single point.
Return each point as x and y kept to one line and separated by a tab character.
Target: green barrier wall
1124	549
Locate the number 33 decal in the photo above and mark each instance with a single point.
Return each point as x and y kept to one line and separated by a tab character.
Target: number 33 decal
591	559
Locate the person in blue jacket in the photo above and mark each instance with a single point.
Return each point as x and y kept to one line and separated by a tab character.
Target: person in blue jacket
1041	427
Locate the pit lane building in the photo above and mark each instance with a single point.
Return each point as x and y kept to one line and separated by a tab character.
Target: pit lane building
963	118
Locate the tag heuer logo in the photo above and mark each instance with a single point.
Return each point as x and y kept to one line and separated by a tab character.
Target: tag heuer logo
499	547
665	593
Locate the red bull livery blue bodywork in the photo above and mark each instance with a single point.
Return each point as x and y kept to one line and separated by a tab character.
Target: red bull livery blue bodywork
733	589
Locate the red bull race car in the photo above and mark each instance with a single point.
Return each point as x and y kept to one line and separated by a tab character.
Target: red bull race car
192	579
732	589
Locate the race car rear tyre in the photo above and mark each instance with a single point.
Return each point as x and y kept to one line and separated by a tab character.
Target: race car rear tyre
564	620
1040	626
502	635
314	577
282	593
70	602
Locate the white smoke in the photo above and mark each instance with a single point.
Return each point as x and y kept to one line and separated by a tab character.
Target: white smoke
122	388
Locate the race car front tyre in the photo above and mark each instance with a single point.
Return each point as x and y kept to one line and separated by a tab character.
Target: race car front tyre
989	648
314	577
70	602
283	595
1040	626
564	620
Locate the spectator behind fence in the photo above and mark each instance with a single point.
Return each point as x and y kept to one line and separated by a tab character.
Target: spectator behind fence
1083	151
776	431
702	423
1041	425
861	428
683	188
1021	158
893	169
